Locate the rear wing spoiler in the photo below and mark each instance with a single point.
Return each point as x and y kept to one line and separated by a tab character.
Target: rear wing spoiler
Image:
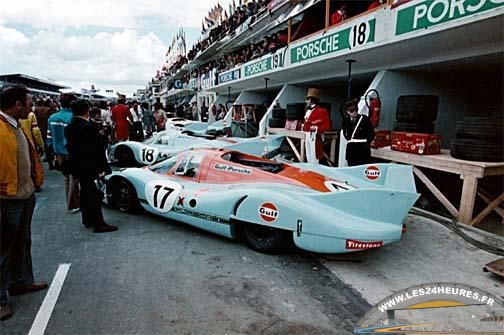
390	176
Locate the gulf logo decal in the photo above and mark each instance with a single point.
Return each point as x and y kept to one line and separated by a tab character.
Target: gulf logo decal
268	212
372	172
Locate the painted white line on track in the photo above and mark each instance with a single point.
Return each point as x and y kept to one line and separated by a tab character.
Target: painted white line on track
42	319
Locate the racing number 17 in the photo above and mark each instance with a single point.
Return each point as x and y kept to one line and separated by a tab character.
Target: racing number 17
164	197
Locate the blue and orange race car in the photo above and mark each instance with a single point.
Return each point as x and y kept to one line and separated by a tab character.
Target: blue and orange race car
269	203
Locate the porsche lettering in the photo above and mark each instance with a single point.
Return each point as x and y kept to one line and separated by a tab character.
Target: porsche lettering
230	168
440	10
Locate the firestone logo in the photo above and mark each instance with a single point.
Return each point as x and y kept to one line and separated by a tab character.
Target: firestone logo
268	212
359	245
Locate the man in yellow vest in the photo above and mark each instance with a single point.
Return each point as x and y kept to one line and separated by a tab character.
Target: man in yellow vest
32	130
20	173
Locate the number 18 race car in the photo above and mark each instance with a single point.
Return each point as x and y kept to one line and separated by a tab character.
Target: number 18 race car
170	142
268	203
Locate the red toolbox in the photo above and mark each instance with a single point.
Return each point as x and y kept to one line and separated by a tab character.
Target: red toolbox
421	144
293	124
383	138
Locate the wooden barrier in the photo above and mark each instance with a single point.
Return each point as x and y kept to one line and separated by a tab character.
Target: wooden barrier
469	172
331	136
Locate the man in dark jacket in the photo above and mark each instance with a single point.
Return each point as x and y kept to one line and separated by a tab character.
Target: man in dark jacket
359	133
87	162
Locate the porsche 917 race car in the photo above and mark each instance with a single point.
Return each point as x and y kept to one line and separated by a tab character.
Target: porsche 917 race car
168	143
269	203
189	126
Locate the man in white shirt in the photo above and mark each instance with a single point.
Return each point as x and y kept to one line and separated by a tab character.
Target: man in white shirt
136	133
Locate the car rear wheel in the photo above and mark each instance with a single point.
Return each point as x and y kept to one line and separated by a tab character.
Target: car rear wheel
264	239
124	156
123	196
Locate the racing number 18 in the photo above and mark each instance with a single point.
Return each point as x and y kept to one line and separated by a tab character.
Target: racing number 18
147	155
359	34
164	197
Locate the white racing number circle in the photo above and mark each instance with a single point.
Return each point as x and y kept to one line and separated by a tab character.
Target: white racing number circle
148	155
162	194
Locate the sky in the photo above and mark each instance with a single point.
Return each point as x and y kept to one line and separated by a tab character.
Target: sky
114	45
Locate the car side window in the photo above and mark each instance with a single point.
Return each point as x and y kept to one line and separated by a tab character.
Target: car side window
182	166
164	139
164	166
189	166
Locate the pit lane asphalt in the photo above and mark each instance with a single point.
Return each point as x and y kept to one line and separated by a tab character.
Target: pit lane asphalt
160	277
154	276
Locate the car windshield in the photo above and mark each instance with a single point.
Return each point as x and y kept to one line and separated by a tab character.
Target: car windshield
162	137
189	166
164	166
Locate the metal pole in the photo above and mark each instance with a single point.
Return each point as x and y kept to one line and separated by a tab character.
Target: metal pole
349	83
266	91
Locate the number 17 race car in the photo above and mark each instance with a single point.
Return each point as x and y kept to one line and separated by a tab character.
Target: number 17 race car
269	203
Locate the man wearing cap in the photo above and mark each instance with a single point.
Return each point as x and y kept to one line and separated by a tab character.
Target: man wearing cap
359	133
56	125
318	117
122	118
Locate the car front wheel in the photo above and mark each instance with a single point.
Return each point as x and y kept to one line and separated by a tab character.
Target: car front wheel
124	196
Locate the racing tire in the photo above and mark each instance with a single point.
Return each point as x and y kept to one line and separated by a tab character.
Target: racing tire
123	196
417	108
278	113
124	156
479	127
276	123
477	150
264	239
295	111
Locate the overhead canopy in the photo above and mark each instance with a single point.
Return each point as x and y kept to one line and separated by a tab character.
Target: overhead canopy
187	99
207	54
298	9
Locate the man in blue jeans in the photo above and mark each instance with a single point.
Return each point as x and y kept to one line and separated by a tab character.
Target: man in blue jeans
56	125
20	173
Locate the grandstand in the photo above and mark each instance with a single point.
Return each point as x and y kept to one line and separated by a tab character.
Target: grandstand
37	86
